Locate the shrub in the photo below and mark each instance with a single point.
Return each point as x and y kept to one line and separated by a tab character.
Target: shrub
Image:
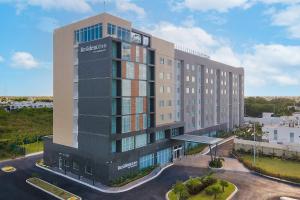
224	184
216	163
213	190
194	186
181	191
208	180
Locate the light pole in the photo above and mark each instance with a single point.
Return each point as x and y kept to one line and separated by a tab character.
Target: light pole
254	151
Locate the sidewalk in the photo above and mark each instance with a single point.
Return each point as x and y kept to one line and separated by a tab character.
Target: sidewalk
106	189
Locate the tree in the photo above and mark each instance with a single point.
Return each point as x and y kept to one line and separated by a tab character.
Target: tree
213	190
223	184
181	191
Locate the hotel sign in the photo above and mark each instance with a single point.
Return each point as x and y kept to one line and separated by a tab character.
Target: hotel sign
128	165
94	48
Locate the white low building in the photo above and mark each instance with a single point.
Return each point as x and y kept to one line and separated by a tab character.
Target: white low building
28	104
284	133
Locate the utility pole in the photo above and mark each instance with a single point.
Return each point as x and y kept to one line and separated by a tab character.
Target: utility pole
104	5
254	152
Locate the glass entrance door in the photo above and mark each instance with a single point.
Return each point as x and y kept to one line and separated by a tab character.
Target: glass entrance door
177	152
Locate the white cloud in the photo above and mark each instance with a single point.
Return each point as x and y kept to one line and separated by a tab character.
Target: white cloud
81	6
1	59
264	64
23	60
221	6
47	24
128	6
188	36
289	18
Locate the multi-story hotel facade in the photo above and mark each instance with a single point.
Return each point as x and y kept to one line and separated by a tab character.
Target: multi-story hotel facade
122	95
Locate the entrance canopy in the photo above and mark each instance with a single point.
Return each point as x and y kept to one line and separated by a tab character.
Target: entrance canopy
197	139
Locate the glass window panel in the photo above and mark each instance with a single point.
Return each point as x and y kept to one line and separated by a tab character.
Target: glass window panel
126	51
142	88
127	144
126	106
142	72
140	140
126	87
130	70
126	124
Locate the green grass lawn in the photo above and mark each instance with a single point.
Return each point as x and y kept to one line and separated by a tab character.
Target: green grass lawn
196	149
275	165
53	189
203	196
34	147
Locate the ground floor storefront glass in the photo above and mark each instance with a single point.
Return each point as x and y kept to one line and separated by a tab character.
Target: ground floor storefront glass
164	156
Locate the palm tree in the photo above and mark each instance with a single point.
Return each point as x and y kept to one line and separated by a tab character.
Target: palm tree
223	184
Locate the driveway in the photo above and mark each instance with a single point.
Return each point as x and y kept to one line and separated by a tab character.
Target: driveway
250	186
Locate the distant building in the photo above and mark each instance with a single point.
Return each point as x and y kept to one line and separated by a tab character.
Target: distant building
27	104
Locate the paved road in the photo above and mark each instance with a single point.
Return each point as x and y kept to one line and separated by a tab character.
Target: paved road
251	187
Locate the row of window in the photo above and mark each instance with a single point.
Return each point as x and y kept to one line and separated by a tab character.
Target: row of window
130	69
163	104
62	163
127	123
162	89
126	88
127	103
168	117
87	34
163	156
126	53
165	61
163	76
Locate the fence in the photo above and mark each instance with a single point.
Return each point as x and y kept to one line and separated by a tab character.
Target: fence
265	148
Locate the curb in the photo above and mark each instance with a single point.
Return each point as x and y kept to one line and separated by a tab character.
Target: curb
110	191
275	178
234	192
58	197
228	198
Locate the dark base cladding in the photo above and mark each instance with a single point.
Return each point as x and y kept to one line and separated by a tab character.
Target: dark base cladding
92	167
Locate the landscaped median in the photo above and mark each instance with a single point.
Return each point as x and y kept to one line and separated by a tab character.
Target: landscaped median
280	168
52	189
202	188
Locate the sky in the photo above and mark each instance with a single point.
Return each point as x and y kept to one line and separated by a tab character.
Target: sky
263	36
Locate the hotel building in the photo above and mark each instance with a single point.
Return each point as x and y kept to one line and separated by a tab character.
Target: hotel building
122	96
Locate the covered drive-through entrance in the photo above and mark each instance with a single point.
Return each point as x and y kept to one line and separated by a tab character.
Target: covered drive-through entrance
210	141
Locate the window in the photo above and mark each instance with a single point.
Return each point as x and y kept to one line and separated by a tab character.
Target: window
206	91
126	124
139	104
292	137
127	144
211	71
113	125
187	90
146	41
206	80
161	75
137	54
170	103
87	34
88	169
207	70
126	106
211	81
142	72
159	135
126	49
193	90
137	122
129	70
162	117
144	55
140	140
142	88
126	87
168	76
168	90
211	91
162	61
187	78
187	66
164	156
123	34
145	121
136	38
113	146
146	161
170	116
161	89
111	29
75	166
161	103
275	135
193	78
169	62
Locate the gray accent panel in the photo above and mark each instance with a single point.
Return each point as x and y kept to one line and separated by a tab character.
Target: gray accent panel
94	88
93	124
99	68
95	106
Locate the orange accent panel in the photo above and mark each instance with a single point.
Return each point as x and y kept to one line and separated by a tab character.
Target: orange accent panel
123	69
136	70
132	122
141	54
134	87
145	104
132	53
133	105
141	121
